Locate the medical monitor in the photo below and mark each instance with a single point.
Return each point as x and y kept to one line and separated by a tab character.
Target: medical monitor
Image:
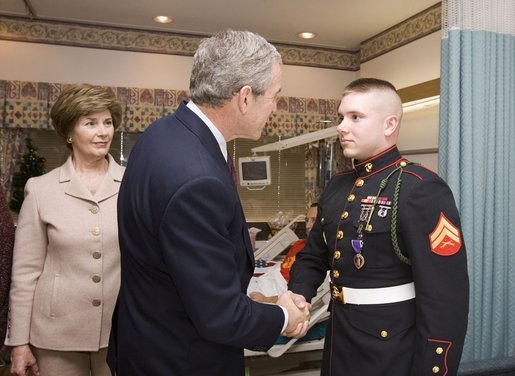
254	171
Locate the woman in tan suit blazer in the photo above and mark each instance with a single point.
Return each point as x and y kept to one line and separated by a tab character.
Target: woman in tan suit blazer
66	264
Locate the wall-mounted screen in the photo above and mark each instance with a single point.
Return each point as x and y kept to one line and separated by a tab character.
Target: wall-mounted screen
254	171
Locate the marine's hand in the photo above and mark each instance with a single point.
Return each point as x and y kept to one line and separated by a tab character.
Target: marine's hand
22	360
259	297
298	317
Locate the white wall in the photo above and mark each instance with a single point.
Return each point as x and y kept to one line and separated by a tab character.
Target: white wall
52	63
409	65
416	62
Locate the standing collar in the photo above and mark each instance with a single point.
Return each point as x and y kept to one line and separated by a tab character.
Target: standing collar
378	162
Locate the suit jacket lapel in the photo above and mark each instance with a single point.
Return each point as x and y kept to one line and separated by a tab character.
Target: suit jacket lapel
200	129
109	186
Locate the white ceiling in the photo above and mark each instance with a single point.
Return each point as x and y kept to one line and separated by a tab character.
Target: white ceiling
339	24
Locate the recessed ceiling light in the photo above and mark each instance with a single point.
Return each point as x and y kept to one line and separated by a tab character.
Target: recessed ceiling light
163	19
306	35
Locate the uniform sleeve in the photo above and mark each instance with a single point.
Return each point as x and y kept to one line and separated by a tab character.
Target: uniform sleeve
431	232
311	264
204	252
29	255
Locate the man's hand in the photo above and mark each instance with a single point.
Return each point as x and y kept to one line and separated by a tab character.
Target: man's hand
259	297
298	314
22	360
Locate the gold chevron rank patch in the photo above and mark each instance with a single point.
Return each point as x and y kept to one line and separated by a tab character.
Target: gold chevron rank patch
445	240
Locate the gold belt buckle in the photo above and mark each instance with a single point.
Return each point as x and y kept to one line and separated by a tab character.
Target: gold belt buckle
337	294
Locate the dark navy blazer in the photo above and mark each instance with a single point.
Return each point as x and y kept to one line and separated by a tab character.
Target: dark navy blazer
186	260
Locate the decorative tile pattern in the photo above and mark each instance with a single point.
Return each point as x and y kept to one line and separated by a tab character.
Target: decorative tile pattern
61	33
416	27
28	104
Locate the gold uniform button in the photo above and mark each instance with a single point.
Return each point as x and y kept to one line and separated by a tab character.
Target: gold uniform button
336	274
339	235
439	350
337	255
351	197
368	228
368	167
345	215
96	278
436	369
403	164
384	333
96	255
359	183
96	302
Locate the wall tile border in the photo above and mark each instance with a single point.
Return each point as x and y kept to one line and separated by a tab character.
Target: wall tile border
81	35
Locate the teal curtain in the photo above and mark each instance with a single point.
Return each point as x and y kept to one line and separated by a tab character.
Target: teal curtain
477	159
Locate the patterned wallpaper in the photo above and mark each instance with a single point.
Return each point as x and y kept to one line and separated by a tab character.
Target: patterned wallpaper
26	104
61	33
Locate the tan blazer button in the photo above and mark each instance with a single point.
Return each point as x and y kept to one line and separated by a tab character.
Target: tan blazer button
95	231
94	209
96	302
96	255
96	278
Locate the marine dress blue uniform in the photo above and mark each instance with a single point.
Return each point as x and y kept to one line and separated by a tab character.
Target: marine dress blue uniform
389	234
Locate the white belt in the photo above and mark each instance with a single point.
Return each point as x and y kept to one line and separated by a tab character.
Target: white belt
382	295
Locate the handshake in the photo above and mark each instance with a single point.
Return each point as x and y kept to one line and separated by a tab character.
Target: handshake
298	311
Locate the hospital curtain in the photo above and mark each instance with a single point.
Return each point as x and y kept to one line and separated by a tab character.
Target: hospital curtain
477	159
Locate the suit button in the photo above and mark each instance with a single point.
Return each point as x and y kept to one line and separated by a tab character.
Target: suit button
96	278
94	209
439	350
345	215
96	255
351	197
95	231
384	333
436	369
96	302
339	235
337	255
336	274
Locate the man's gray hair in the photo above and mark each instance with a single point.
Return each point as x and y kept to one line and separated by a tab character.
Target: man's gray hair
226	62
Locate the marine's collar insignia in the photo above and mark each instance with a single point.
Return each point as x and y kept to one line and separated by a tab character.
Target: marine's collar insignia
445	240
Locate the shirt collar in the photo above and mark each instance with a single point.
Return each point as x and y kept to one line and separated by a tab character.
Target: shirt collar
218	135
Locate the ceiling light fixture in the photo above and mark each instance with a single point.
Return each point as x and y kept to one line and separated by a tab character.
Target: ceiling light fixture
163	19
306	35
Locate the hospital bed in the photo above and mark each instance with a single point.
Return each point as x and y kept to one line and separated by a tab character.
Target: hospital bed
270	251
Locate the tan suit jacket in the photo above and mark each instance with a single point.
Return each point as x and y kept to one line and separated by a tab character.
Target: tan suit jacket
66	265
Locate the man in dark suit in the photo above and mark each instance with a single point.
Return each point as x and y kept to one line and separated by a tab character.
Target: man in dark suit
185	250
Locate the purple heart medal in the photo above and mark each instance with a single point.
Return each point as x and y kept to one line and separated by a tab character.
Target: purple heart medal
357	246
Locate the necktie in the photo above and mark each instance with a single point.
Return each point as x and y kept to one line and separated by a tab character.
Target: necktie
230	163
